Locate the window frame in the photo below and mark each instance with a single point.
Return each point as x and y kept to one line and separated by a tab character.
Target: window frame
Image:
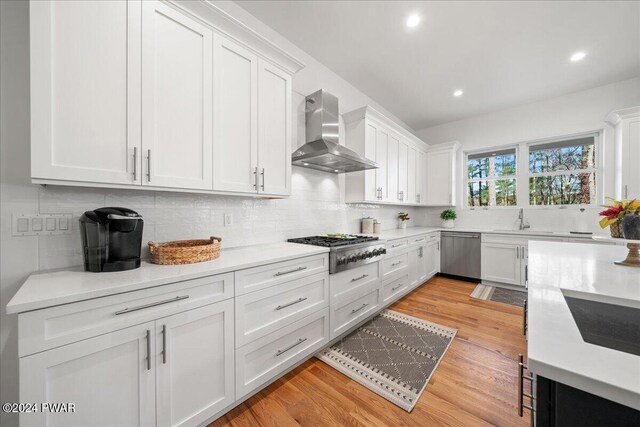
523	174
467	180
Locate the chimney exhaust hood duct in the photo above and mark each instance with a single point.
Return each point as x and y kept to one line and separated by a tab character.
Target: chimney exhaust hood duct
322	151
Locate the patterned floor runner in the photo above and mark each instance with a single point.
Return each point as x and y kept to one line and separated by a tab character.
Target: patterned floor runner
393	355
505	296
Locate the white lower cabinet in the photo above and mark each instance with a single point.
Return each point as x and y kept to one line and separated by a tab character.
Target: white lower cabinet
194	361
501	263
432	257
110	379
265	358
393	288
353	309
174	371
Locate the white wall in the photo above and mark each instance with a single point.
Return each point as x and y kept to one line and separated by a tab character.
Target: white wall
565	115
315	206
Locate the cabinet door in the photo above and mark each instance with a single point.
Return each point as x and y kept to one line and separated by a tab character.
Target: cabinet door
420	176
195	361
403	153
630	158
371	188
382	158
501	263
274	130
109	378
85	91
415	259
432	258
439	170
412	156
235	117
177	98
392	168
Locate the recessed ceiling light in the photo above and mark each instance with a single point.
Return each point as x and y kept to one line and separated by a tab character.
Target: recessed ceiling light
336	170
578	56
458	93
306	164
413	21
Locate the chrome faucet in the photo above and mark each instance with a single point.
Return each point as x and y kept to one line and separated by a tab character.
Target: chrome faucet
523	224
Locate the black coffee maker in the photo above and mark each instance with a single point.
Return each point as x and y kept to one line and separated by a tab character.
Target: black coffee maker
111	239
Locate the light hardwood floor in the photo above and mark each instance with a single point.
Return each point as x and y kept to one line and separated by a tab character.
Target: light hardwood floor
474	385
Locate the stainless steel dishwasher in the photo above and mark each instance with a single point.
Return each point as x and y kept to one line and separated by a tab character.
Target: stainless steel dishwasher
460	254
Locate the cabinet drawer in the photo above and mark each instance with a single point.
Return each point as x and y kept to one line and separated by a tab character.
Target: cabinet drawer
394	287
262	312
433	237
418	240
264	276
394	245
353	280
394	263
55	326
349	313
263	359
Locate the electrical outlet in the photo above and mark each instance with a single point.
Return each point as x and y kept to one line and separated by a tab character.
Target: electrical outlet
228	219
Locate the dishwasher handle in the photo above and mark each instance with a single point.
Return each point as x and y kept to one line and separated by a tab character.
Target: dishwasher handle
464	236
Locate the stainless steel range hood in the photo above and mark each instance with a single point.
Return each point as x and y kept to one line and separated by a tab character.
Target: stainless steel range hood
322	151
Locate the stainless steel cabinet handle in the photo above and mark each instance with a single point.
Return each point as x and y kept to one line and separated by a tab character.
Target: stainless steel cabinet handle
438	245
135	163
284	350
289	304
524	318
255	178
355	279
517	252
282	273
418	198
164	344
420	254
396	263
262	175
149	165
396	245
153	304
626	191
396	287
419	240
355	310
148	349
521	393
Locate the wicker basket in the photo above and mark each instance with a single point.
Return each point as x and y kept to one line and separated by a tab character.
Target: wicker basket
185	251
616	229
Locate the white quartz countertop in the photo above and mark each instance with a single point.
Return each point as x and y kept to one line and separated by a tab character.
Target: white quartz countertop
49	288
414	231
556	349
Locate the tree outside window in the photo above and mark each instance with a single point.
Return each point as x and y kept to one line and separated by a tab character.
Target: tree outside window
491	178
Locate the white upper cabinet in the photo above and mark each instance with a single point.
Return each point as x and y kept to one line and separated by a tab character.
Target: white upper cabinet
148	93
177	97
440	172
627	129
235	159
398	177
85	91
274	130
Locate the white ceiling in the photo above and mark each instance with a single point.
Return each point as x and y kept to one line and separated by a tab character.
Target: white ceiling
500	53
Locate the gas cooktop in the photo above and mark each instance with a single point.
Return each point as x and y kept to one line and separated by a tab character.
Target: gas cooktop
347	251
333	240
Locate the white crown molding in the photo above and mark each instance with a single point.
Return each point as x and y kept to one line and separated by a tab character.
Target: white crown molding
451	145
224	23
615	116
368	112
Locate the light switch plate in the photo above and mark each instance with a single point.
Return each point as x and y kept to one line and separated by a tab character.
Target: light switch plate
228	219
44	225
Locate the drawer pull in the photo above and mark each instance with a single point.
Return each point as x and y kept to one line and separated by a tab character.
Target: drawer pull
289	304
282	273
396	287
153	304
355	279
419	240
355	310
396	245
396	263
284	350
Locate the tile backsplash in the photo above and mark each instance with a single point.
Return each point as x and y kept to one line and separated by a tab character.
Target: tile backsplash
314	207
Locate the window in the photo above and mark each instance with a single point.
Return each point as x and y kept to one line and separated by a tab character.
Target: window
491	178
563	172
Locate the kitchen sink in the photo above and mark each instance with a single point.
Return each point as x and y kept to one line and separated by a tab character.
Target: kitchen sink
612	323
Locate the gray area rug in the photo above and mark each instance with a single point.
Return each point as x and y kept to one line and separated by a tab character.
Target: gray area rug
393	354
505	296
